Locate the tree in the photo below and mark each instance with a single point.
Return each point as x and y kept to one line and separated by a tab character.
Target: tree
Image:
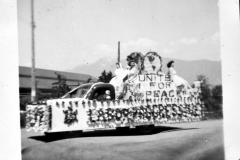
59	88
217	97
206	91
217	93
102	78
212	98
109	76
105	77
89	80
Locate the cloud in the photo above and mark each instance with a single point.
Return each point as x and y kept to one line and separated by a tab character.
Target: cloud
188	41
213	39
172	43
105	49
168	51
102	50
142	45
141	42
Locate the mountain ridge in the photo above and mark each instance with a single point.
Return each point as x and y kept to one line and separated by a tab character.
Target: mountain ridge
189	70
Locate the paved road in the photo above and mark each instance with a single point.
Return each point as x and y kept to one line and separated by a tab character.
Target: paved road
196	140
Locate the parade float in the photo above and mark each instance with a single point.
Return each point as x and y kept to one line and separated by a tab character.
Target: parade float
139	96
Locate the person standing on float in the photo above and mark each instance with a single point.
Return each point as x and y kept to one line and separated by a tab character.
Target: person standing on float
118	73
178	81
118	80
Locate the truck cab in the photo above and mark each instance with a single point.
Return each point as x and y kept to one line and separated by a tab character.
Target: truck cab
91	91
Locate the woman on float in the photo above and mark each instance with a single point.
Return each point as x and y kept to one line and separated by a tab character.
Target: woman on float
118	68
178	81
133	71
117	80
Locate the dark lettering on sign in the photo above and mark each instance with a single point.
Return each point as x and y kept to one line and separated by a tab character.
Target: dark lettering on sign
168	84
161	85
152	85
148	93
156	93
141	80
160	77
175	99
167	77
149	77
171	93
164	94
166	100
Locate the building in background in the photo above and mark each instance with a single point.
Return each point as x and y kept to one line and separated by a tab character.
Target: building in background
46	78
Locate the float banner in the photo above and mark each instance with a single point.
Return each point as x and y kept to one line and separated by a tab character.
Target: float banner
150	87
77	114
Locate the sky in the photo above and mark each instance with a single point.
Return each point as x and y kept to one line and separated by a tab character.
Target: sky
76	32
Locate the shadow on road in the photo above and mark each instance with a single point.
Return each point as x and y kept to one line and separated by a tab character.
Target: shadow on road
107	133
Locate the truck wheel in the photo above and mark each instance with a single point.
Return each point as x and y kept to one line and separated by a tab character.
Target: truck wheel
145	129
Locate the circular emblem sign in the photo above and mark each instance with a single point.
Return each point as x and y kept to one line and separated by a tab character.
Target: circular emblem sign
152	63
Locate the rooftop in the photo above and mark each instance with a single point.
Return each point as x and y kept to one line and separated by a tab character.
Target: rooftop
45	77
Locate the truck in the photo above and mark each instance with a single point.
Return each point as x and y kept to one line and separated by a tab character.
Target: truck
140	97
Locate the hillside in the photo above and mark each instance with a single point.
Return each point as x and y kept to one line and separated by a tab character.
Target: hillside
189	70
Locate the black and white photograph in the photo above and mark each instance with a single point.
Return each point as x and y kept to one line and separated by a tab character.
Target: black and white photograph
121	79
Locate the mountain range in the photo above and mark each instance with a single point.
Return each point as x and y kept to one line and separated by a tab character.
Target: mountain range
189	70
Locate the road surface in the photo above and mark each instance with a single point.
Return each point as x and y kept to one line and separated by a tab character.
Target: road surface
195	141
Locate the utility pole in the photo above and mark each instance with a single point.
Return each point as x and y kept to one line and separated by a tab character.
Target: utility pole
33	88
118	51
